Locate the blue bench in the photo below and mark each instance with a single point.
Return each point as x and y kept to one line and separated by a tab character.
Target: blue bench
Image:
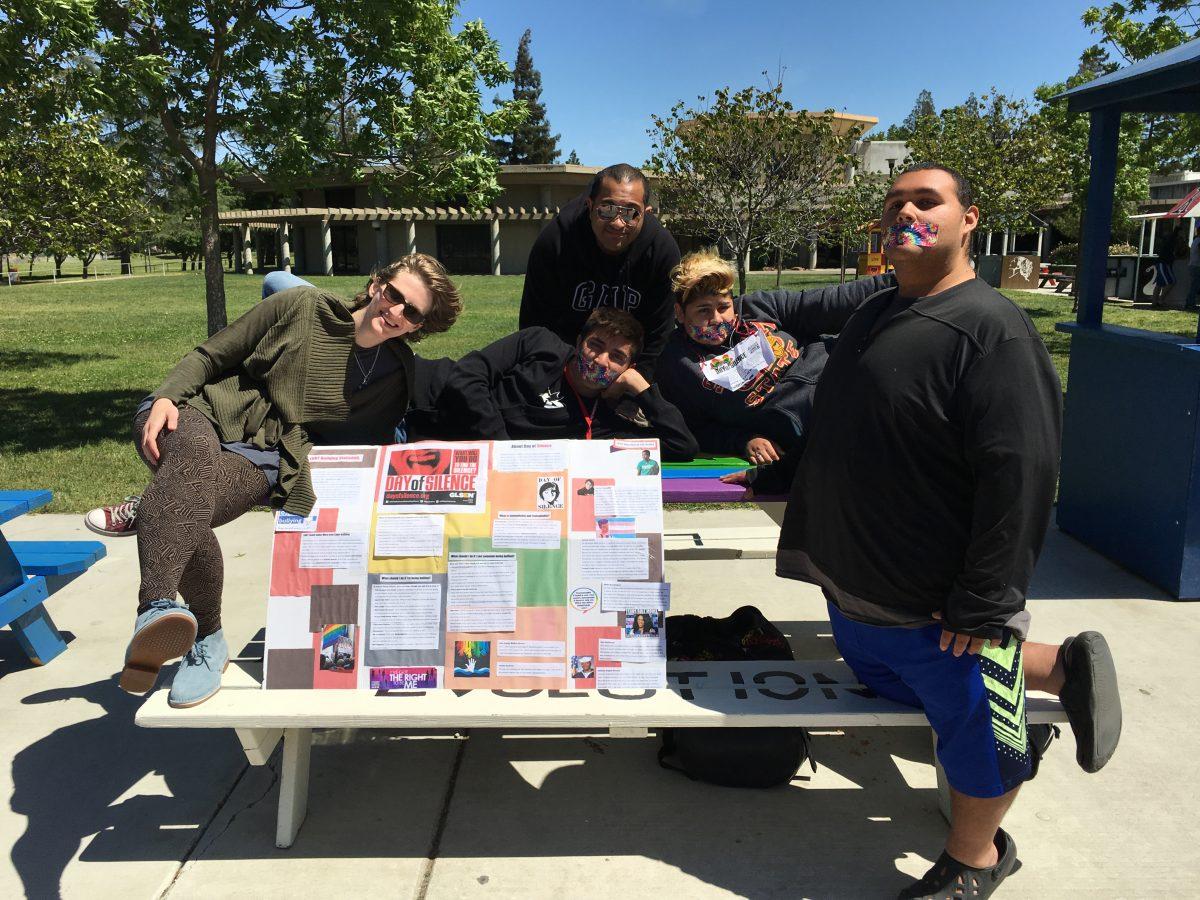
30	571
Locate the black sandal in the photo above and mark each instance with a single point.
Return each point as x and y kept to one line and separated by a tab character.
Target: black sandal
951	880
1091	699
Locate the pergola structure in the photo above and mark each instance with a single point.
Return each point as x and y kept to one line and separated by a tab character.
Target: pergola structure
1130	484
282	220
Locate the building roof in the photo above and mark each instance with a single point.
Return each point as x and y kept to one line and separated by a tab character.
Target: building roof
1166	82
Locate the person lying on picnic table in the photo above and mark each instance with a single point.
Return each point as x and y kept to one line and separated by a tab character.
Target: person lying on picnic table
534	385
743	370
919	503
231	428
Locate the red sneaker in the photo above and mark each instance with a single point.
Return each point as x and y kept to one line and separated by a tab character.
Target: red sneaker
114	521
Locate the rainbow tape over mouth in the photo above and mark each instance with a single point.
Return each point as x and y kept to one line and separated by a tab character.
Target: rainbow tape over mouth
914	234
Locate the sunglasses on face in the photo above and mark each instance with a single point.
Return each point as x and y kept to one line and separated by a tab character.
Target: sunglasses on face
609	211
393	297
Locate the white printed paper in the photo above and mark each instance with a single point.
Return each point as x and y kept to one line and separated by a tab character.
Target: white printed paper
409	535
531	670
627	501
334	550
343	487
286	521
482	579
529	456
618	596
609	560
531	648
739	365
481	618
627	676
638	650
526	530
405	615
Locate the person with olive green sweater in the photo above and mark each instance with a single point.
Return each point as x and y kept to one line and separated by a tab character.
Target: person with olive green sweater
231	428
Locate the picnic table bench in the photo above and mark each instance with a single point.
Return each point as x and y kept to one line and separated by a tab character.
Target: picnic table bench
30	571
1062	275
809	694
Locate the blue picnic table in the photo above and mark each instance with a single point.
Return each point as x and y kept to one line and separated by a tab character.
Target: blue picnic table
30	571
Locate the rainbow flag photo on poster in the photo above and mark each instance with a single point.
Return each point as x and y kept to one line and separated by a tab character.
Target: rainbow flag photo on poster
337	648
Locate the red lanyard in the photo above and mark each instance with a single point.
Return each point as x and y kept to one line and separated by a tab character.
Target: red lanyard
587	416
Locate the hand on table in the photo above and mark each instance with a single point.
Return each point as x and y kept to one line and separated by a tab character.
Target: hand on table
739	478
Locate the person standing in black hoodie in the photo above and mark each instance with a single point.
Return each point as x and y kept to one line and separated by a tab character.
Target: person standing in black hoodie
919	505
604	249
534	385
743	370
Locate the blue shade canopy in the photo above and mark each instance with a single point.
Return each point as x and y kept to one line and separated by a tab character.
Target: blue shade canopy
1166	82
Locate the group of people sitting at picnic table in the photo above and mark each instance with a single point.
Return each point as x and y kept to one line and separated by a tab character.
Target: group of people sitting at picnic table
913	419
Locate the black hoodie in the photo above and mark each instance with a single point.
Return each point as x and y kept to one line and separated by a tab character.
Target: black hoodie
515	389
569	275
777	403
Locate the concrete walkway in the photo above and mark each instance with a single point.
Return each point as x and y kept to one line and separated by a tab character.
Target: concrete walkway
98	808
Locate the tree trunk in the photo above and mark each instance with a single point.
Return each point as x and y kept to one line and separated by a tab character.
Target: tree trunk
183	263
32	257
842	278
741	270
214	275
778	267
126	261
58	261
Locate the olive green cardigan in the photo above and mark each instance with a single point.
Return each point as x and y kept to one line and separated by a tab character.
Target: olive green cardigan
280	371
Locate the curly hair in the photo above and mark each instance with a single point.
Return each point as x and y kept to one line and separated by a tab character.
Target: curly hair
700	274
447	302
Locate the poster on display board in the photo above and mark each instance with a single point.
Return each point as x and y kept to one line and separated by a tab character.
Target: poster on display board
489	564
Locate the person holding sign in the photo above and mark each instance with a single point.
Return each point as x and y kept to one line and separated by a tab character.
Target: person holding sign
534	385
231	428
742	370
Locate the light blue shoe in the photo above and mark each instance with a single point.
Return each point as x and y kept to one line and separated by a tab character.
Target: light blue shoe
162	633
199	675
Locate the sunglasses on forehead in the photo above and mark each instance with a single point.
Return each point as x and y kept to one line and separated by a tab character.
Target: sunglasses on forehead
609	211
393	297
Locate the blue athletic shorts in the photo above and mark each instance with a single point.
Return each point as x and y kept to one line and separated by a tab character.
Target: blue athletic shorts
975	703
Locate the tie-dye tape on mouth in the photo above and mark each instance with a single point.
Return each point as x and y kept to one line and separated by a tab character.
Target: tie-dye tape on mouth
914	234
711	334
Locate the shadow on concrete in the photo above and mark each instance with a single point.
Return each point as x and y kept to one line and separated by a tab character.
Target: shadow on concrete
13	658
69	785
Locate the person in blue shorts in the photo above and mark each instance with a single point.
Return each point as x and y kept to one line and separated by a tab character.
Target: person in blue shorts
919	503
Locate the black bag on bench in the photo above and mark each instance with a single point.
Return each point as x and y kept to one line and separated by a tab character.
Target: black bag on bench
732	757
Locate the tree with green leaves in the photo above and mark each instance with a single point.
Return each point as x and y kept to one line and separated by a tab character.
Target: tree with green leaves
573	159
923	108
257	80
1132	181
1136	29
1010	156
745	168
530	142
67	191
853	208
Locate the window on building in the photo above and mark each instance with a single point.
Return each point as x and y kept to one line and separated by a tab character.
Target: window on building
339	197
465	249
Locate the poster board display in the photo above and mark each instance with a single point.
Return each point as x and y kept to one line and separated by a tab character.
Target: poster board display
491	564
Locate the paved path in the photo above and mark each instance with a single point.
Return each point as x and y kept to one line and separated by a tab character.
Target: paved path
99	808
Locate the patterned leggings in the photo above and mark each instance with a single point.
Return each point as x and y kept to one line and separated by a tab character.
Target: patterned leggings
196	487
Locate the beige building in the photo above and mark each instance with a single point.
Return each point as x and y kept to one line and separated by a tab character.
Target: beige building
340	229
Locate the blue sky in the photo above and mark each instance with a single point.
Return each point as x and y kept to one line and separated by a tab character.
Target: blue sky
607	66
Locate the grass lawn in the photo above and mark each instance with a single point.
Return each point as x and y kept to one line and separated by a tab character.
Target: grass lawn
76	358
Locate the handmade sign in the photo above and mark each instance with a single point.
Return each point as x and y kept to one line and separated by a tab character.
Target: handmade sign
492	564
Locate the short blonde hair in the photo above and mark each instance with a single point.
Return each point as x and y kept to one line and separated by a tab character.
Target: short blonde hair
700	274
447	301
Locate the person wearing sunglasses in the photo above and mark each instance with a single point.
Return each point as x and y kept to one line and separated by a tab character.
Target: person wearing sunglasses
231	428
604	249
